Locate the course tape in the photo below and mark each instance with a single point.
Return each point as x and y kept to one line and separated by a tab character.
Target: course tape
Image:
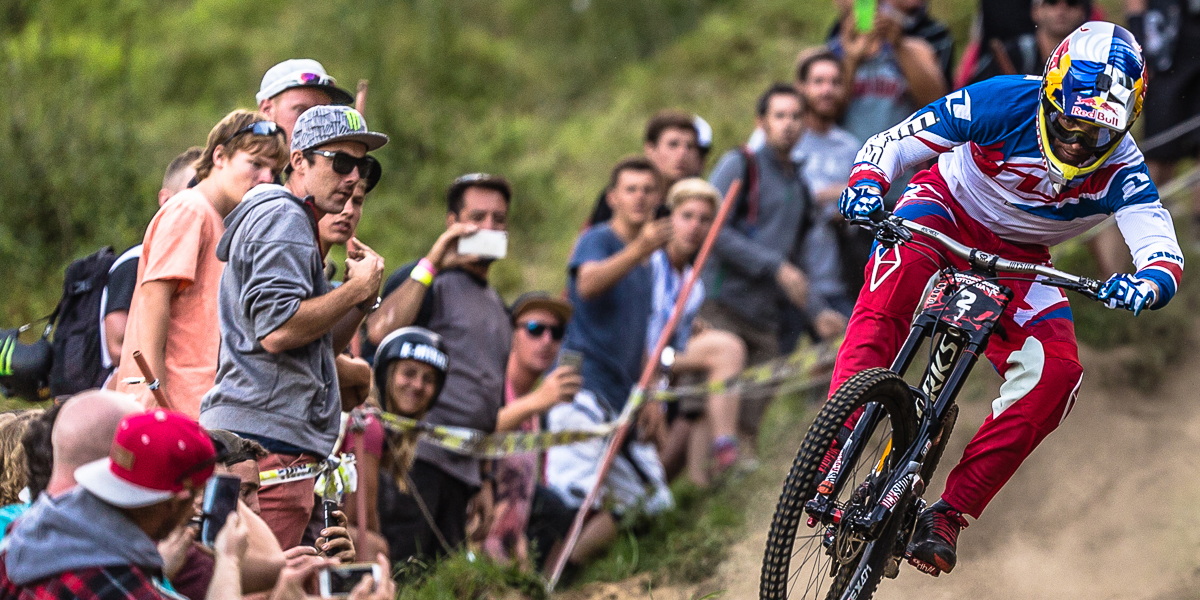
786	374
335	476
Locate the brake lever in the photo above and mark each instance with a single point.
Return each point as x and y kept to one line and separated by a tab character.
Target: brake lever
887	228
1087	287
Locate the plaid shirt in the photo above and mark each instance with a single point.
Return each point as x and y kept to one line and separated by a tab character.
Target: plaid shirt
96	583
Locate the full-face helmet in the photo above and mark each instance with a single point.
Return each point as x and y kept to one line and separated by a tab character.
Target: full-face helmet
1092	92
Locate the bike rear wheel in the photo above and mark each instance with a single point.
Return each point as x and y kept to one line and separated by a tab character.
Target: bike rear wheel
827	561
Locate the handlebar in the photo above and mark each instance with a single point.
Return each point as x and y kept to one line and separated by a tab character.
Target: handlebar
891	230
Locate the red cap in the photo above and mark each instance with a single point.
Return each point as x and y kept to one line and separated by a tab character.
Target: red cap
153	455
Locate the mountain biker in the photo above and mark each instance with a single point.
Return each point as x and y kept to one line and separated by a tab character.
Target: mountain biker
1023	163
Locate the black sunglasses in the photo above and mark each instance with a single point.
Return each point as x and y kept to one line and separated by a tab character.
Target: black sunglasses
536	329
343	164
256	128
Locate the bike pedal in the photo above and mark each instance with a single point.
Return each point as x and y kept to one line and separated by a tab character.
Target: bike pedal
923	566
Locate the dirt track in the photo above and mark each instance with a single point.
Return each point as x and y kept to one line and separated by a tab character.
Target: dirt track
1107	507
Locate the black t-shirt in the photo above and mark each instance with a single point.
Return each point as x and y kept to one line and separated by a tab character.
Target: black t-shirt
122	279
1005	19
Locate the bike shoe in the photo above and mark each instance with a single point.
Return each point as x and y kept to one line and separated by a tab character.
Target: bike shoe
935	541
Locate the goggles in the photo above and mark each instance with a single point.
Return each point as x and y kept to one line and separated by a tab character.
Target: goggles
1069	131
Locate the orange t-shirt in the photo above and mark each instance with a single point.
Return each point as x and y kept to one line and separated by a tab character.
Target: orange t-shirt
181	246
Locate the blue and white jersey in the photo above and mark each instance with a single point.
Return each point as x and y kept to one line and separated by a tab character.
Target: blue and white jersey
668	284
986	136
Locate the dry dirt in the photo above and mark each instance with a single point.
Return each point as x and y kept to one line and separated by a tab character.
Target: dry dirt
1107	507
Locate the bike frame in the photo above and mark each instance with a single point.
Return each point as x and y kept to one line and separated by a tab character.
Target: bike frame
957	317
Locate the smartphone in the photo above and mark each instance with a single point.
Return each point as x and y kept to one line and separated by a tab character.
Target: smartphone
337	581
571	358
485	242
220	498
864	15
327	508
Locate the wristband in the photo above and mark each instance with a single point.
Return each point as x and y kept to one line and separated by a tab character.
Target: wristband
421	275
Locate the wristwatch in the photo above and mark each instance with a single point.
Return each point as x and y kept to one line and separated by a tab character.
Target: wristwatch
372	307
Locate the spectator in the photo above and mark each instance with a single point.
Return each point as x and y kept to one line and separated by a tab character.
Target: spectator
293	86
915	21
13	477
1169	31
98	540
706	427
753	271
827	152
173	315
539	323
834	253
889	70
1027	53
83	433
610	286
189	565
672	143
39	453
354	383
280	322
122	276
410	371
448	294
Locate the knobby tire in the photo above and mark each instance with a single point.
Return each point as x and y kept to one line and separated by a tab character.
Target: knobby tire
880	386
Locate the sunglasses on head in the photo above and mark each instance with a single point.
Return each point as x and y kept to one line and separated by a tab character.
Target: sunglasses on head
343	164
256	128
535	329
314	79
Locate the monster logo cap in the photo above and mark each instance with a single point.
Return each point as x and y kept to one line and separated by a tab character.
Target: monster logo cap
322	125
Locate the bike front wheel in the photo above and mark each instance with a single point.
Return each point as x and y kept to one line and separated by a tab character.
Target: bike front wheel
828	560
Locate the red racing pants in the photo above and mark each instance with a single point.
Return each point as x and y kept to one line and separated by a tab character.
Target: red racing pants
1033	348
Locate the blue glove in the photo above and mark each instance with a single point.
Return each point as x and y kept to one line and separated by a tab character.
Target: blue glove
1129	292
860	201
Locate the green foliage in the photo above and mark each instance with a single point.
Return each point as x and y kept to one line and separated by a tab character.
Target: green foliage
460	576
100	96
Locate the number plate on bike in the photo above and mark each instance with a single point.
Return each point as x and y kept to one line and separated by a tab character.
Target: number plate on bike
967	300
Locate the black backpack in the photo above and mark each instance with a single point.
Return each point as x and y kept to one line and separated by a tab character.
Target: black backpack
76	343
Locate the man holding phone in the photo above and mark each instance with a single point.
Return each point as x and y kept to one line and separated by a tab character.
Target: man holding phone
101	535
447	292
611	285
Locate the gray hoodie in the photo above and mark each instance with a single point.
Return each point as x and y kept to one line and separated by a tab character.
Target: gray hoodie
273	263
741	275
73	532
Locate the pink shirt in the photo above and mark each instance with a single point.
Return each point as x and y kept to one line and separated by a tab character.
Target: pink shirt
180	246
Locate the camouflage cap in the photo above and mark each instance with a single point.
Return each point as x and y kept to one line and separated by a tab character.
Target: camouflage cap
322	125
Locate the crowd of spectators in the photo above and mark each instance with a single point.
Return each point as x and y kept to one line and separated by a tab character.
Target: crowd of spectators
264	353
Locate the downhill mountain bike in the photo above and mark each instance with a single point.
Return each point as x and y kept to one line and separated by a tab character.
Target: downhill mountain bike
859	504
